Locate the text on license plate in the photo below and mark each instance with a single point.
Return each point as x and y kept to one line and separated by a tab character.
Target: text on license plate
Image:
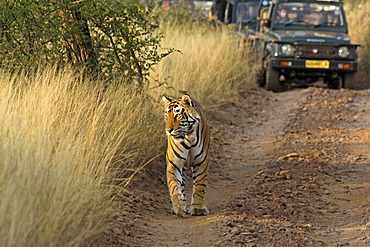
317	64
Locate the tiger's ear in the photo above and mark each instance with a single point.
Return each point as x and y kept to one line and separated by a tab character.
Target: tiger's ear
187	100
166	100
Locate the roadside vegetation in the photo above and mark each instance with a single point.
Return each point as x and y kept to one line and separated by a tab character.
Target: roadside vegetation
211	64
63	142
359	31
68	142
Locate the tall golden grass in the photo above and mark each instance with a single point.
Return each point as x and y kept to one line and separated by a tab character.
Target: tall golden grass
211	65
359	31
61	137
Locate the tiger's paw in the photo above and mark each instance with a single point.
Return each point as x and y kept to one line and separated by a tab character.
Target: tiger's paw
199	211
180	209
180	212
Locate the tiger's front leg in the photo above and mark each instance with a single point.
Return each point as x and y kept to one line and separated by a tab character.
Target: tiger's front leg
200	178
176	185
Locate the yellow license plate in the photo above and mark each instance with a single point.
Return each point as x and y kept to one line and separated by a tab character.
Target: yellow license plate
317	64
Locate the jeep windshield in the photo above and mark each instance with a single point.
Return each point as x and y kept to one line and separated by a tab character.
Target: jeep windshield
297	15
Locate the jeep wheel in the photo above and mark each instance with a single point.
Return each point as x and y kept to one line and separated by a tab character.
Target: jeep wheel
350	80
336	83
261	79
272	79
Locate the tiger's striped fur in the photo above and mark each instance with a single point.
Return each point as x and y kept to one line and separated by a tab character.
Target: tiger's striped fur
188	138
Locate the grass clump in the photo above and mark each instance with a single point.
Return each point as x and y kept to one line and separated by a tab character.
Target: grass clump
62	139
212	64
359	30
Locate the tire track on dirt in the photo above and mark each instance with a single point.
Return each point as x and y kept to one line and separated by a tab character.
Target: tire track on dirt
315	192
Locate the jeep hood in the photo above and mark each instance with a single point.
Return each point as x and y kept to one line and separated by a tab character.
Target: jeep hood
315	36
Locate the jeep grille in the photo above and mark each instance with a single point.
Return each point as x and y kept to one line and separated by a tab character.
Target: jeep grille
315	51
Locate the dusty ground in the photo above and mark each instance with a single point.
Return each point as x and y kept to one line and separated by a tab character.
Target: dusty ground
287	169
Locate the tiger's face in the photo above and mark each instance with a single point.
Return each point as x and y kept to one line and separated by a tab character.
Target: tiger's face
180	116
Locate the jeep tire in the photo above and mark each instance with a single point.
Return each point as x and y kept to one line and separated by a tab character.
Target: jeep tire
350	80
261	79
336	83
272	82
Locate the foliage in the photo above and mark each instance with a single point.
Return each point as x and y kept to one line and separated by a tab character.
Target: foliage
105	38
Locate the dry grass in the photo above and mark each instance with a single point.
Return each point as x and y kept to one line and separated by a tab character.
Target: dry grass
359	30
212	64
61	137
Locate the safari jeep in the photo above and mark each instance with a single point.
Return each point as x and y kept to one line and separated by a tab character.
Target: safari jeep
304	41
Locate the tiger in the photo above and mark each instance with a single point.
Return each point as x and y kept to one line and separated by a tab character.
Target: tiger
188	139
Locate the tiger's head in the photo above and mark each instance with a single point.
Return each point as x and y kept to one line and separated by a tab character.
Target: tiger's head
180	116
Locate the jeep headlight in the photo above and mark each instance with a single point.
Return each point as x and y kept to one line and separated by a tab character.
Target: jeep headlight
287	50
343	51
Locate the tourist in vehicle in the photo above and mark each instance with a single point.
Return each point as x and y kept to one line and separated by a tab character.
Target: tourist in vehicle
282	17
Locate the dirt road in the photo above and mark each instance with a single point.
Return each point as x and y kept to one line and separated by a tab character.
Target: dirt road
287	169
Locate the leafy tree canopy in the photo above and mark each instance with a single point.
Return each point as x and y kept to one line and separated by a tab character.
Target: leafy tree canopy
114	38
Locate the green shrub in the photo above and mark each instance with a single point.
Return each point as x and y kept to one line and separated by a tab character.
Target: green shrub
113	39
